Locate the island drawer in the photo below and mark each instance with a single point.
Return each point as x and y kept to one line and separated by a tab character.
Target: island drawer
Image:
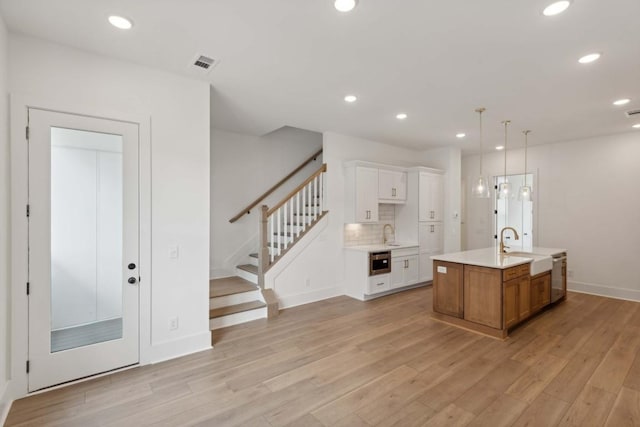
513	272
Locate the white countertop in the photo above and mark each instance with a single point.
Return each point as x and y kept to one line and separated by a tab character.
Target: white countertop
380	247
489	257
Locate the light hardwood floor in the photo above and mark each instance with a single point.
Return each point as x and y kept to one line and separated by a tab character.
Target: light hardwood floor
342	362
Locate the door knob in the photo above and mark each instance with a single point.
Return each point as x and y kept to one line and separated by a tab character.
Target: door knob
132	280
131	266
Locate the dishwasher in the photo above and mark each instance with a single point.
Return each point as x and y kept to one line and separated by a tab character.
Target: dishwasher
559	277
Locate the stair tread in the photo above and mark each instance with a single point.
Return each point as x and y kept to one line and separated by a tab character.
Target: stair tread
249	268
230	286
237	308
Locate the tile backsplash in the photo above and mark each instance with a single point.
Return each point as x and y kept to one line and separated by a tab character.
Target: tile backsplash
370	234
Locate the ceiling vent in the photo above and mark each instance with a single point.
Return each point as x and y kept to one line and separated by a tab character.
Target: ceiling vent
633	113
204	63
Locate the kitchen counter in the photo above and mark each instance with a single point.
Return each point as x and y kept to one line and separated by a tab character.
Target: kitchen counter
380	247
487	257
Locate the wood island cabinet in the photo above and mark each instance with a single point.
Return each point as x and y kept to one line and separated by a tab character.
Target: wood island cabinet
488	300
483	296
447	288
540	291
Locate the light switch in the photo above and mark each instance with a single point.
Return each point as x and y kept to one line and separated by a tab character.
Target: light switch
173	251
442	269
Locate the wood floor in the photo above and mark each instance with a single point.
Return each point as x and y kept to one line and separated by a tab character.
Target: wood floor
342	362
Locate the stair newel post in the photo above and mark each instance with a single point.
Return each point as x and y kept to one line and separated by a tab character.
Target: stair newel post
263	254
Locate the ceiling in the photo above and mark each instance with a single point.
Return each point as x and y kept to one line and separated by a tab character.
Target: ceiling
291	62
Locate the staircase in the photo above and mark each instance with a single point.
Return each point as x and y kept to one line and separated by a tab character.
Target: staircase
243	297
237	299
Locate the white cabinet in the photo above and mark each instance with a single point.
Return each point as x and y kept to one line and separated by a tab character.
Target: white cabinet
404	267
421	218
392	186
430	197
377	284
430	236
361	194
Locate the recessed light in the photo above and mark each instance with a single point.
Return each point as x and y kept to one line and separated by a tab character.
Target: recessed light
350	98
623	101
636	126
120	22
589	58
500	147
461	135
556	8
401	116
345	5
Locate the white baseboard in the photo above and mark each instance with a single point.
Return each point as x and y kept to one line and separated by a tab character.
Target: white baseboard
181	347
219	273
5	403
288	301
604	291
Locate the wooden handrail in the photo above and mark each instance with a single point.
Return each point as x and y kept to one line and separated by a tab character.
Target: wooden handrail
322	169
274	188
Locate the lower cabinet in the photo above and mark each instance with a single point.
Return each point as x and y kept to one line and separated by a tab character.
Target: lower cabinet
379	283
483	296
404	271
540	291
516	300
448	288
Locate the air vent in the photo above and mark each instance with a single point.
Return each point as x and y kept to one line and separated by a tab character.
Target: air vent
633	113
204	63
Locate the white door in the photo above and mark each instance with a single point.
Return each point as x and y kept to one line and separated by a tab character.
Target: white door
83	246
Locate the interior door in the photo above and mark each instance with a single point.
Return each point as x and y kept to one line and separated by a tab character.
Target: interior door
83	246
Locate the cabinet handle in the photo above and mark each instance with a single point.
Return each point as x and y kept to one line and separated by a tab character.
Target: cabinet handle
380	284
433	214
393	192
433	228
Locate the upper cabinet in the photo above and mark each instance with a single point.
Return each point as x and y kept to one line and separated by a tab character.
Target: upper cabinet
361	195
392	186
430	197
367	185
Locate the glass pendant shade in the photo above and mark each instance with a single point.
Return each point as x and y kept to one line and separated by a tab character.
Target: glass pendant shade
524	194
480	187
504	190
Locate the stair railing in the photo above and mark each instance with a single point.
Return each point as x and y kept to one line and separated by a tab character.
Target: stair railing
247	210
285	223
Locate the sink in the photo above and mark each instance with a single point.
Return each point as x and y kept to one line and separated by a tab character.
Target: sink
540	263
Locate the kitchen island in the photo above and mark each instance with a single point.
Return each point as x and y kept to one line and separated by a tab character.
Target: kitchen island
489	292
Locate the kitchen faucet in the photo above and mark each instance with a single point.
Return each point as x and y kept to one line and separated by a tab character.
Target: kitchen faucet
502	246
384	235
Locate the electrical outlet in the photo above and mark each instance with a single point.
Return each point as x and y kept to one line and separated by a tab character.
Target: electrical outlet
308	282
569	273
173	323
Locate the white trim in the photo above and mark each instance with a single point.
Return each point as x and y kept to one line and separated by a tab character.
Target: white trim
604	291
19	103
309	297
183	346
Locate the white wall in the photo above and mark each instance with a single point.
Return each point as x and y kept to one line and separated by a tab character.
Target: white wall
242	168
322	262
5	308
175	114
585	200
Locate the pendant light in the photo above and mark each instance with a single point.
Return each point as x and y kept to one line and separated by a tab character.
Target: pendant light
480	187
504	189
525	193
